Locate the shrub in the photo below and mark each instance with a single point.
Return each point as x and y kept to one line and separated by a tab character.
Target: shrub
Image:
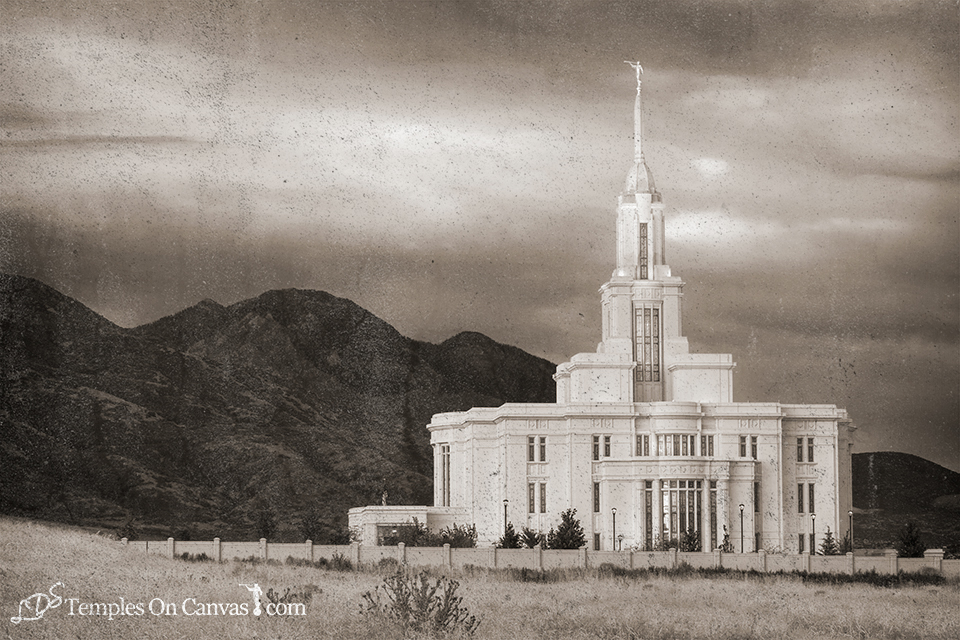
391	564
417	534
531	538
846	545
129	529
200	557
908	542
420	604
726	546
304	595
829	546
510	538
690	541
568	534
340	562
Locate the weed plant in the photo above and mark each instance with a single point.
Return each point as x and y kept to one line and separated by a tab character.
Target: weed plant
419	603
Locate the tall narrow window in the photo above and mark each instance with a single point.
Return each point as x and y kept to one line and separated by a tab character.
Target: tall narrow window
596	447
606	446
596	542
756	497
799	498
810	500
648	344
445	475
643	251
531	497
643	445
686	450
800	539
710	446
543	497
799	449
753	447
648	515
714	525
809	449
743	446
543	448
530	448
596	497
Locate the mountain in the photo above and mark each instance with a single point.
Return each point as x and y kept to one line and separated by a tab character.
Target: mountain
215	419
891	489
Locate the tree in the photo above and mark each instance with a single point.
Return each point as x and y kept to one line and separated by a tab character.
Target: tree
265	522
726	546
908	542
846	546
690	540
829	546
312	526
569	533
510	538
531	538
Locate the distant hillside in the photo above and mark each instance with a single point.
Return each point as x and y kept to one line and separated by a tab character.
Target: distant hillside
900	482
291	402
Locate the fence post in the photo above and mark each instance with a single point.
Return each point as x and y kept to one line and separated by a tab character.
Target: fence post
217	553
171	547
124	541
631	558
853	566
763	560
935	557
717	559
673	558
583	557
493	557
538	557
805	565
355	554
401	553
263	548
309	544
446	554
891	555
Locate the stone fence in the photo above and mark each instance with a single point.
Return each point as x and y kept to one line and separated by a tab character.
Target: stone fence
538	559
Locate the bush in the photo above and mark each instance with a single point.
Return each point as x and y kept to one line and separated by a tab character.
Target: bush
510	538
829	546
908	543
690	541
726	546
200	557
420	604
568	534
417	534
304	595
531	538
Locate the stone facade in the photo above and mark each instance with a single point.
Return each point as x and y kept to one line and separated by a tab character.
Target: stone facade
645	440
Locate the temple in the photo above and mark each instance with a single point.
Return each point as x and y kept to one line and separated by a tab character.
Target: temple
645	440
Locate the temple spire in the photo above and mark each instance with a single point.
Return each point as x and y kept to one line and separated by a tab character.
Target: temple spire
637	122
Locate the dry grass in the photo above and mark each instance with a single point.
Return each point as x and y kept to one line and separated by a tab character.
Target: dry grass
94	569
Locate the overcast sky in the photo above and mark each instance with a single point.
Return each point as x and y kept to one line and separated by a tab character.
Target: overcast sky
454	166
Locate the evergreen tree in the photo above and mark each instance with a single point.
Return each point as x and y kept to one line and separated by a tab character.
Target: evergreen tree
846	546
726	547
829	546
690	540
569	533
531	538
510	538
908	542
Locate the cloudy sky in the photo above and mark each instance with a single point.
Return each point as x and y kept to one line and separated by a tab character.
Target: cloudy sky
454	166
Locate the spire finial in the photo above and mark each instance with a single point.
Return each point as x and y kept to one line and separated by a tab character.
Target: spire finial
637	129
636	65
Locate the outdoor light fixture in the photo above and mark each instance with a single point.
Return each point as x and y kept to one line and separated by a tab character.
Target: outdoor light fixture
741	527
850	513
614	510
505	502
620	542
813	536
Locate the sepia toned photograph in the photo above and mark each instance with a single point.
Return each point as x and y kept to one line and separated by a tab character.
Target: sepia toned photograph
546	319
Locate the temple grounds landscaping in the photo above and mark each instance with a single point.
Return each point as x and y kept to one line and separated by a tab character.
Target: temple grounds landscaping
107	591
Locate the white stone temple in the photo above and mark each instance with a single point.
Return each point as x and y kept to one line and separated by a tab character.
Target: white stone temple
645	440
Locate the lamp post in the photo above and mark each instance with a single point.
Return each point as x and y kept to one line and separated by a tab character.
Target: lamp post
850	515
813	535
505	503
614	511
741	527
620	542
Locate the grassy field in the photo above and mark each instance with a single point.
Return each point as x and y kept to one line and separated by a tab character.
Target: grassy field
94	569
